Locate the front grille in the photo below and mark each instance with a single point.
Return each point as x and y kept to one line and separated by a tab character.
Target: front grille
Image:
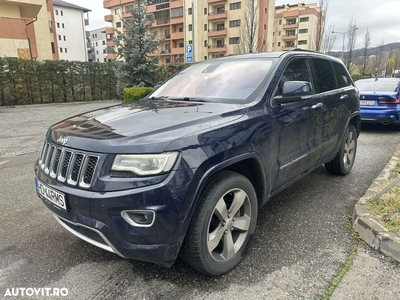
65	165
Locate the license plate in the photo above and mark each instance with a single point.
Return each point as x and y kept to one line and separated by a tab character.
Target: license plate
367	102
51	195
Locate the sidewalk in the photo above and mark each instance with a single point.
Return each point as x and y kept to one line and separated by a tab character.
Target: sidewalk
373	233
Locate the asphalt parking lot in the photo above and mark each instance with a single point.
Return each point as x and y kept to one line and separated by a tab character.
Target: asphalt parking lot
301	243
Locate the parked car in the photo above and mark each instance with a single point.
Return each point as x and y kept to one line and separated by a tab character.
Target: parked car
379	100
186	170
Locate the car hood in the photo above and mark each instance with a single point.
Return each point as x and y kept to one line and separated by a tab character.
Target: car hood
146	126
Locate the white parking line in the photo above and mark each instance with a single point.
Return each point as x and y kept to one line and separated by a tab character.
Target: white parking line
3	162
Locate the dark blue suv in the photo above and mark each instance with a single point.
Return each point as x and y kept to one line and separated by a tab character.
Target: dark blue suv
185	170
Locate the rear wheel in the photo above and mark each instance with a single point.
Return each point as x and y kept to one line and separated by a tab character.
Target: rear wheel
344	160
222	225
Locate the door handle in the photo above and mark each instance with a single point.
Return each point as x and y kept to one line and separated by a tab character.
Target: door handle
345	96
318	105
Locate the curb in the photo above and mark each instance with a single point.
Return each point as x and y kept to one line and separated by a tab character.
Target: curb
371	231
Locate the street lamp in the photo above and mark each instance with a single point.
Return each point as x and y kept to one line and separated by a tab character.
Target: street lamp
344	34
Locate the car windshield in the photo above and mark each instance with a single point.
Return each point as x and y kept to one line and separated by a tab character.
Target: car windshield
229	81
377	86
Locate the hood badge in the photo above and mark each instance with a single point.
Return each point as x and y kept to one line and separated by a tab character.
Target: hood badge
62	140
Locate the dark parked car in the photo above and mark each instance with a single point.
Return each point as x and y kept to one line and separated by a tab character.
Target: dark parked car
379	100
186	170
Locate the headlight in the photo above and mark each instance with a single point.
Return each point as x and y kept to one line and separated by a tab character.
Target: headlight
145	164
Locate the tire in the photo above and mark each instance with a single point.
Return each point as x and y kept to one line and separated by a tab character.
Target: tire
344	159
222	225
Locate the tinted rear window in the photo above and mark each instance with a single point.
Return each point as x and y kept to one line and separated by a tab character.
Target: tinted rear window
377	86
324	75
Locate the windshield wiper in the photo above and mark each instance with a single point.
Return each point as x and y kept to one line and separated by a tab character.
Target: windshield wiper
191	99
159	98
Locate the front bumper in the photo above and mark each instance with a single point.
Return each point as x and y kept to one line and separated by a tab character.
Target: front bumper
96	217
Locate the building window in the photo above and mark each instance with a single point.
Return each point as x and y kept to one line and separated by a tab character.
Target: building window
303	42
118	24
305	19
97	52
180	29
62	25
56	12
95	35
205	57
205	10
59	37
53	49
61	50
98	60
190	42
104	51
236	5
265	26
303	30
234	23
61	12
266	10
289	44
205	43
65	38
205	27
279	44
118	11
58	25
273	44
104	42
168	60
234	40
105	59
190	27
181	45
280	22
65	50
189	11
97	43
51	26
279	33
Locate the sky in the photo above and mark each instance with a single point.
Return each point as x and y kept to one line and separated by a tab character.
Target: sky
382	17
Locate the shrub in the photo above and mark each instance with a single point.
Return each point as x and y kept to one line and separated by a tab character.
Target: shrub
136	93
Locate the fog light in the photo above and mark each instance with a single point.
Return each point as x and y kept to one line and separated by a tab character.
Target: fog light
139	218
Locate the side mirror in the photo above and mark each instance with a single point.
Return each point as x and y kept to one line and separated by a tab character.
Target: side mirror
294	91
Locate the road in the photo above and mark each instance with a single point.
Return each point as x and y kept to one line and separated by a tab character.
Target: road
302	240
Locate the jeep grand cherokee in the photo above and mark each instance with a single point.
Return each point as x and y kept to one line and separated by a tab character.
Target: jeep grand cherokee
185	170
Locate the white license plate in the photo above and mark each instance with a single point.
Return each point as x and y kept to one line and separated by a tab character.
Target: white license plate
51	195
367	102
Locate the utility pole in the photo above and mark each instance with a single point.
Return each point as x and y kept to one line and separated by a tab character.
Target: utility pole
193	27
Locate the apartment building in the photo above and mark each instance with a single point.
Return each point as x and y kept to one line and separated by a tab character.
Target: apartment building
70	21
296	26
97	39
212	27
27	30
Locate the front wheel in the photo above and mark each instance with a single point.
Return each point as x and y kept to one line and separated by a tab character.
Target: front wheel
344	159
222	225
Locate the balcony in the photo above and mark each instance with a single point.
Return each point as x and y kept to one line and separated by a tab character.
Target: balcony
217	32
110	31
217	15
165	52
114	3
110	44
112	56
216	48
176	3
161	22
27	8
108	18
177	35
215	1
289	37
290	26
178	51
157	5
178	20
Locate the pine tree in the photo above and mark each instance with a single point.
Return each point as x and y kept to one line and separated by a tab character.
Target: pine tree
133	45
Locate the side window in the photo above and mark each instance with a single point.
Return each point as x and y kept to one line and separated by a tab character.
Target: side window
342	76
296	70
325	78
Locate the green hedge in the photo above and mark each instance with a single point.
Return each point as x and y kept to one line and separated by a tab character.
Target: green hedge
32	82
136	93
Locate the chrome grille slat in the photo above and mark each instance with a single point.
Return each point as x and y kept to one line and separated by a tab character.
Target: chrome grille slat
65	165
